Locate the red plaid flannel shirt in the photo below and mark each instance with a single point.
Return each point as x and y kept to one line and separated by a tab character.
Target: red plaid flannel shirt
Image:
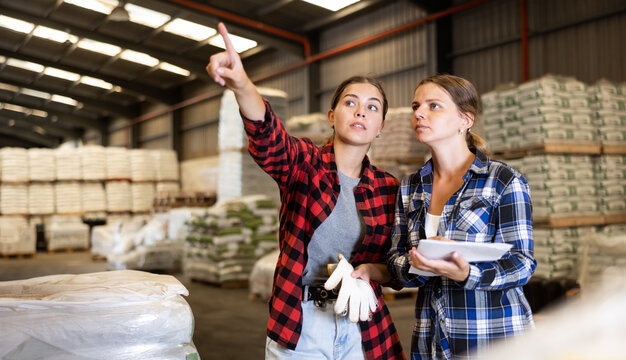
307	178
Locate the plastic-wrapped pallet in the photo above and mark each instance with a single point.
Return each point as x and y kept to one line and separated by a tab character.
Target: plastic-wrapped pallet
93	160
240	176
603	253
42	164
117	163
143	196
149	248
17	236
14	199
262	276
94	197
314	126
119	196
68	197
141	165
612	183
66	232
607	101
165	165
41	199
106	239
122	315
561	184
14	164
557	251
224	245
68	164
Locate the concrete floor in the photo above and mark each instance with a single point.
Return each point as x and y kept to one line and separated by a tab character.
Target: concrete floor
228	324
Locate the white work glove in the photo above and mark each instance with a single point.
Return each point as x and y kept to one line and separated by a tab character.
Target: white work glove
356	297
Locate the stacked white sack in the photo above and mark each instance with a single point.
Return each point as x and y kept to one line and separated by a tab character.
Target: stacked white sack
17	236
14	199
119	196
41	199
68	197
142	196
66	232
42	164
14	164
93	162
94	197
68	164
314	126
117	163
141	165
122	315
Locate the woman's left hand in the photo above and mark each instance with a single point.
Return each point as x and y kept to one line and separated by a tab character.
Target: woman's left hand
455	267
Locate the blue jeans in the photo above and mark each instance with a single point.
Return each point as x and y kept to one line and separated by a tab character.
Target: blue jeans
325	335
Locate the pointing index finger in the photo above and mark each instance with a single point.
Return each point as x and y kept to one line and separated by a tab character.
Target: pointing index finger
229	45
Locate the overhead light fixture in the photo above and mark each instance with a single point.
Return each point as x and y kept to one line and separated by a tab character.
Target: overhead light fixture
119	13
88	80
189	29
54	35
36	93
99	47
174	69
240	44
139	57
147	17
332	5
26	65
16	24
61	74
40	113
64	100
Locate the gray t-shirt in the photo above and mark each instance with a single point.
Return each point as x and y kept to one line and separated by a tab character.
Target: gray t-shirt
341	232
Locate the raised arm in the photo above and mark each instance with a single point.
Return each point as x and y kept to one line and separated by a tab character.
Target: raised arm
227	70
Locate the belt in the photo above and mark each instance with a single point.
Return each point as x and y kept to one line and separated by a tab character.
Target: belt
318	294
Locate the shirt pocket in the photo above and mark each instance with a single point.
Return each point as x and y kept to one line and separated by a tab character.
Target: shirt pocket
474	213
414	217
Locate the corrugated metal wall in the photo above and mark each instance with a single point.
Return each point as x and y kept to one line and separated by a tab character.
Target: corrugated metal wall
580	38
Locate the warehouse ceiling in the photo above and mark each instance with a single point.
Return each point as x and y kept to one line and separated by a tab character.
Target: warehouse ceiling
71	65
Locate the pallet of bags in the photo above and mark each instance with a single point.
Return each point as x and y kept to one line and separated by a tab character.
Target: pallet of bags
223	245
65	233
17	236
122	315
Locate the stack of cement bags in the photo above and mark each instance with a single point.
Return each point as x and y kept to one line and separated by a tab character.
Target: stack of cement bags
14	165
93	162
42	164
557	251
608	102
611	173
17	236
223	245
314	126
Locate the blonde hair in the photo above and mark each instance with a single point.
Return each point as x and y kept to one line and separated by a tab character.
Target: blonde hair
466	98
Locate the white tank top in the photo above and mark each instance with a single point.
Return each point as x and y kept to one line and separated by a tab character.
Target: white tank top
432	223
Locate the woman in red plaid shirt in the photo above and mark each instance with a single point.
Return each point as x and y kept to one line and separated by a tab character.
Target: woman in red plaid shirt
333	201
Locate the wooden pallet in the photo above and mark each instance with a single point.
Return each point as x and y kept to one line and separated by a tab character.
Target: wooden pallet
17	256
614	149
224	285
67	250
98	257
571	221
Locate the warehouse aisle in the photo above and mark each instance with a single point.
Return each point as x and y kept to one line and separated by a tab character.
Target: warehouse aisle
228	325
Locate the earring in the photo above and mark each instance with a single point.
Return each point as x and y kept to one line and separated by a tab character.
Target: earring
378	135
461	131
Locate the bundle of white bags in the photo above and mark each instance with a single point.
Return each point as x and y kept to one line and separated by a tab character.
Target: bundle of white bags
108	315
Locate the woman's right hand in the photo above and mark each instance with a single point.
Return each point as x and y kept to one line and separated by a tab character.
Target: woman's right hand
226	68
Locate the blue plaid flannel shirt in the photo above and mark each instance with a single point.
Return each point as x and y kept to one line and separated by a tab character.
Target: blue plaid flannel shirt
493	206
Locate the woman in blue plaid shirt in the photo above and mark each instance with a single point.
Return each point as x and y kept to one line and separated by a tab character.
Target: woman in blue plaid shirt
461	195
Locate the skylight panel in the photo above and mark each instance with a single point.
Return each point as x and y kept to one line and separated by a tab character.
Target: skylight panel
101	6
39	113
138	57
332	5
189	29
61	74
8	87
54	35
174	69
36	93
26	65
241	44
16	108
64	100
16	24
141	15
99	47
88	80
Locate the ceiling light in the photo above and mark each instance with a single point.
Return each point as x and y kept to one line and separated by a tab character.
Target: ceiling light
99	47
151	18
39	130
8	87
332	5
16	108
61	74
39	113
241	44
189	29
138	57
88	80
35	93
119	13
64	100
26	65
173	68
54	35
16	25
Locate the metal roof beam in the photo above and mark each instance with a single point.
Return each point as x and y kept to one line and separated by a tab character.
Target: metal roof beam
32	137
50	128
54	116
